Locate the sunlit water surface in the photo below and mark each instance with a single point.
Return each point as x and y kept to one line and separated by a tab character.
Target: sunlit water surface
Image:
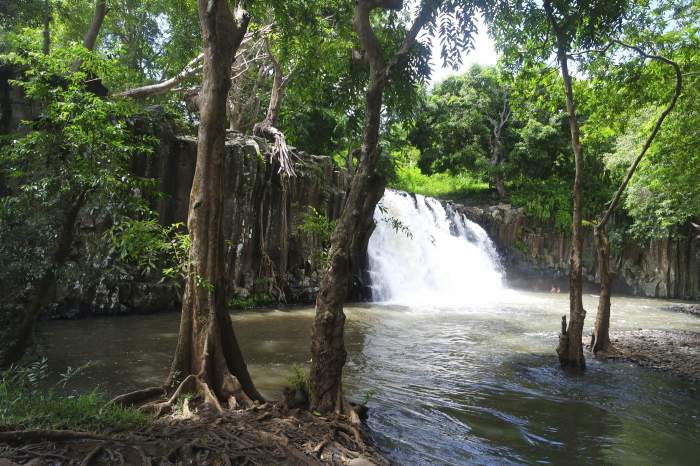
473	385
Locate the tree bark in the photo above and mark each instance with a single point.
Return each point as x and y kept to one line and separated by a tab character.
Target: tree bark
90	38
496	160
19	339
47	27
366	189
570	348
208	356
497	153
601	331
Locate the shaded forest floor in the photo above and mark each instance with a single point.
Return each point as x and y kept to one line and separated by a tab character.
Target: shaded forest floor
264	435
676	352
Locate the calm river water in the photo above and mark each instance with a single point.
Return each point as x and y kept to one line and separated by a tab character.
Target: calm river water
477	385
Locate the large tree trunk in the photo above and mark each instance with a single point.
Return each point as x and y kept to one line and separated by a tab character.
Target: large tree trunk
208	356
18	339
366	189
570	348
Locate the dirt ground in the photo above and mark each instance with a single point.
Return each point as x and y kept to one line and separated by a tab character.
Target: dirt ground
676	352
263	435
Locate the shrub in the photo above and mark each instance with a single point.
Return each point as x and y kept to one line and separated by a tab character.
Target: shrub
28	401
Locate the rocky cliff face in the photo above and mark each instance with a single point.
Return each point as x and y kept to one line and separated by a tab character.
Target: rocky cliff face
269	257
537	256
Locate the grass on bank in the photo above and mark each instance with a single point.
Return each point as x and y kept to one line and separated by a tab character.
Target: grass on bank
440	185
28	401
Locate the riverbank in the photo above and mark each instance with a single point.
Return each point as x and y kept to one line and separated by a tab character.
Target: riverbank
674	351
263	435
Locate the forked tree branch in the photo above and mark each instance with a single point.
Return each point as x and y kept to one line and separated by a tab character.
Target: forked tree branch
657	126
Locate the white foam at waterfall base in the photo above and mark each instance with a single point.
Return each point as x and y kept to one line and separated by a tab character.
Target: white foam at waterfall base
421	254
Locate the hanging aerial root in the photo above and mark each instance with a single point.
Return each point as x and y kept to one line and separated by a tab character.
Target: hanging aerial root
280	150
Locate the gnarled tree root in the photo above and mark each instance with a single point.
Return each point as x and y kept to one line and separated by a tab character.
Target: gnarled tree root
196	386
139	396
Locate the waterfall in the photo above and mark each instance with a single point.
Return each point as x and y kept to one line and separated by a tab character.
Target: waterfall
424	254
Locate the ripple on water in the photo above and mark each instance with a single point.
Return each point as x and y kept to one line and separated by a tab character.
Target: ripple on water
469	386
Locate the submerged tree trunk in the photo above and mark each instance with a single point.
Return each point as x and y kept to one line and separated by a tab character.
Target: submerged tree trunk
366	189
570	348
19	339
208	357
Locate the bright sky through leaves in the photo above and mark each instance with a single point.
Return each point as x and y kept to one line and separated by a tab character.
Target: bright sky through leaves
484	53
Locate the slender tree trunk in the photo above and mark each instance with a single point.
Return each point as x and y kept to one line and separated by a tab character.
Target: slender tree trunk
498	125
570	348
601	331
47	27
496	159
208	356
19	339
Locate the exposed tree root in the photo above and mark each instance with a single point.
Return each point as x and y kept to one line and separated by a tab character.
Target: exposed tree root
91	456
30	436
262	435
139	396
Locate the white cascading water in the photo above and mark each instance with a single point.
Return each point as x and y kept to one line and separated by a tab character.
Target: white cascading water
421	254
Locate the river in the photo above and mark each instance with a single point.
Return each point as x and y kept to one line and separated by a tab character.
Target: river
455	367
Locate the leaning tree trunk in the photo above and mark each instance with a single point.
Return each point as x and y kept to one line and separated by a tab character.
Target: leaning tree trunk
98	18
366	189
570	348
208	356
90	38
20	338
